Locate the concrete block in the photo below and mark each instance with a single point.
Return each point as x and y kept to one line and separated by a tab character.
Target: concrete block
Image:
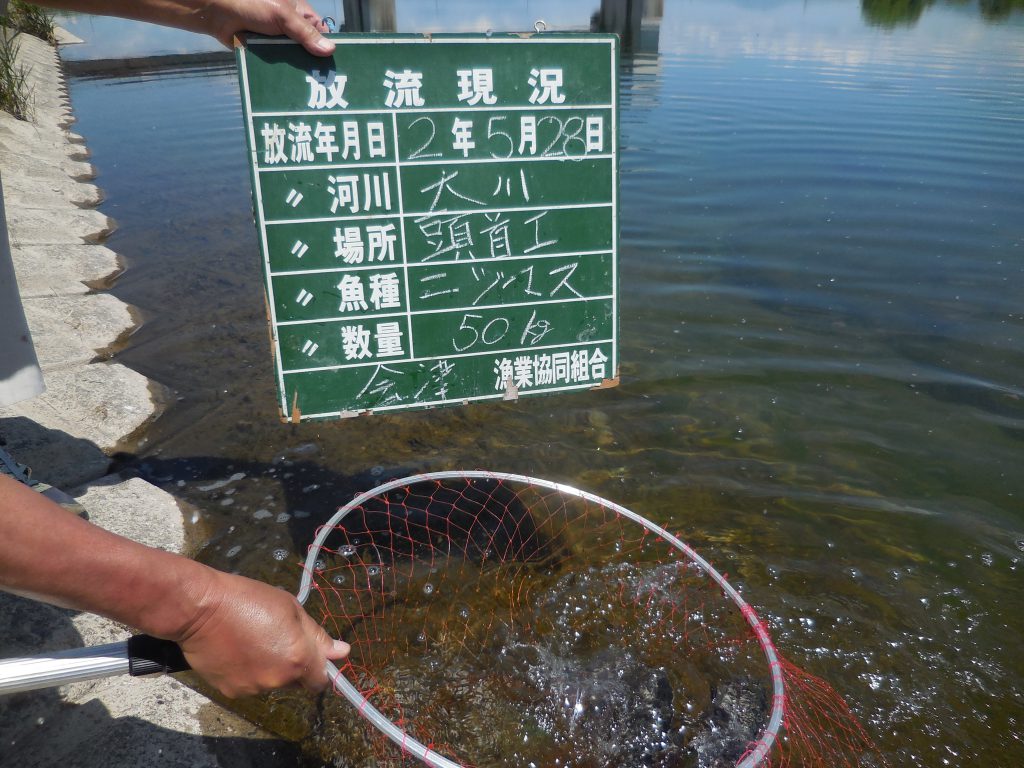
30	627
35	173
64	37
39	168
94	725
55	457
34	54
134	509
95	734
62	270
101	403
32	226
38	139
69	330
50	192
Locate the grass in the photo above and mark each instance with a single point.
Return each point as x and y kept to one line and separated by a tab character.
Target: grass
15	96
29	18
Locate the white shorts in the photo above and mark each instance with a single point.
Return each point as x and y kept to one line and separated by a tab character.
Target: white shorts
20	377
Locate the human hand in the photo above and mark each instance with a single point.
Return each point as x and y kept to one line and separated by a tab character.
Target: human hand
249	637
295	18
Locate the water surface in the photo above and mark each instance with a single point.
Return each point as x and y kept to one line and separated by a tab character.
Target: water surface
822	265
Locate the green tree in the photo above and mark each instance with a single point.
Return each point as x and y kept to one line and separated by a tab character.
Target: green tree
997	10
893	13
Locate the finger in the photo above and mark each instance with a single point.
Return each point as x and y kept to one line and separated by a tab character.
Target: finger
306	10
303	31
327	645
338	650
322	647
319	24
309	13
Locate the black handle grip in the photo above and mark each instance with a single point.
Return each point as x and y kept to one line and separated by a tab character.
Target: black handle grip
151	655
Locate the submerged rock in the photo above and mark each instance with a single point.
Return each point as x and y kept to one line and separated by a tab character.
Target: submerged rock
608	710
739	711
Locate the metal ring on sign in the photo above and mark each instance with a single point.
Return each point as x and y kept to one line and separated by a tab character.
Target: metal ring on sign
329	22
540	25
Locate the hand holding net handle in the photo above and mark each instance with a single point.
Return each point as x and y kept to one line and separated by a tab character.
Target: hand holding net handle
137	656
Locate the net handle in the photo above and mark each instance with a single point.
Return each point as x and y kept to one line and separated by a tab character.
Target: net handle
758	752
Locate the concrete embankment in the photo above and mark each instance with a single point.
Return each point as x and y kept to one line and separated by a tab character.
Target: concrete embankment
90	408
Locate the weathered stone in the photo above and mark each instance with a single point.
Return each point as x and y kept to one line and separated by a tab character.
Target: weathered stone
32	226
70	330
62	270
134	509
64	37
35	167
29	137
101	403
55	457
47	193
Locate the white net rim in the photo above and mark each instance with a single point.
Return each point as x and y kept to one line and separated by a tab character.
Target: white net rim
760	748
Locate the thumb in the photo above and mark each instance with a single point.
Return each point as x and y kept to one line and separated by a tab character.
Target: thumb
328	646
338	649
314	677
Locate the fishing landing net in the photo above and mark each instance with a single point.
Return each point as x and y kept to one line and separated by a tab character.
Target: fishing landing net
499	620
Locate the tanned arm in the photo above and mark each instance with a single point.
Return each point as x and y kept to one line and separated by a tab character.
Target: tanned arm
241	635
222	19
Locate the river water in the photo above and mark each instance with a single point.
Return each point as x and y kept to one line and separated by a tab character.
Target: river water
822	335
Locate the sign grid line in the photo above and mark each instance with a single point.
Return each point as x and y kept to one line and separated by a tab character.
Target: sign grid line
536	313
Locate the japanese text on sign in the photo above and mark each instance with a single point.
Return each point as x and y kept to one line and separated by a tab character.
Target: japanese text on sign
437	217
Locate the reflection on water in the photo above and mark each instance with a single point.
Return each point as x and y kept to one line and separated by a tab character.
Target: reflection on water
636	22
821	270
892	13
370	16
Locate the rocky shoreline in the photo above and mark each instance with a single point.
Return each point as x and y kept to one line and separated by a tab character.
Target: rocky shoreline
90	409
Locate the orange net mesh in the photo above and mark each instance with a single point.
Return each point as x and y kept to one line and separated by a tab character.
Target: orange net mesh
507	622
818	727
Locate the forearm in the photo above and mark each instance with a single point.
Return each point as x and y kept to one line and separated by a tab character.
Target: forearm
48	554
184	14
243	636
223	19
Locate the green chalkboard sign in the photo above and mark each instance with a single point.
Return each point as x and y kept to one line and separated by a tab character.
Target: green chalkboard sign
437	217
